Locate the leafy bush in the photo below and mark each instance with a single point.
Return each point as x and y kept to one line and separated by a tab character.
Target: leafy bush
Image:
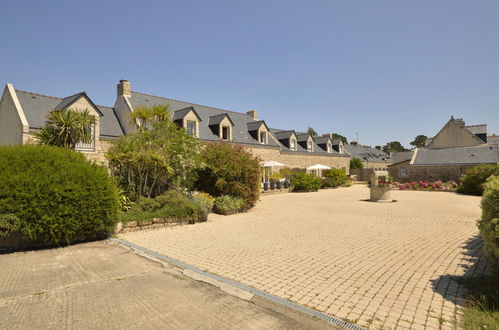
227	204
9	224
286	172
489	223
472	182
305	182
205	203
170	204
230	170
356	163
57	195
334	177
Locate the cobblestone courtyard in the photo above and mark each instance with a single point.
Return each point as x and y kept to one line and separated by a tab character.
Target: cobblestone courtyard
380	265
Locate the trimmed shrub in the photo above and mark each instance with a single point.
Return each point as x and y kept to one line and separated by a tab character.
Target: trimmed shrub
170	204
57	196
230	170
489	223
474	179
334	177
356	163
227	204
305	182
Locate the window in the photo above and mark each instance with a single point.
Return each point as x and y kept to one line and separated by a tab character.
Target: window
191	128
329	148
263	137
404	172
292	144
225	133
87	146
309	146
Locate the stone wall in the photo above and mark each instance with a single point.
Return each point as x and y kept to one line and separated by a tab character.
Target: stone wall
375	164
300	160
404	172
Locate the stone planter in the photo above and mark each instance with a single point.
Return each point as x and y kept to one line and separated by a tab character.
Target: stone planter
380	194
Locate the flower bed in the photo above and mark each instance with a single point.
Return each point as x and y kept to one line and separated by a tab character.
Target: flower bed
427	185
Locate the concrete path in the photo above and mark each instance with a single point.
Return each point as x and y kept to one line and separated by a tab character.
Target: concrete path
102	285
380	265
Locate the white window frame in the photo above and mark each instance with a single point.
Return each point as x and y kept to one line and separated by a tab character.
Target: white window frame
194	123
309	146
404	172
80	146
292	144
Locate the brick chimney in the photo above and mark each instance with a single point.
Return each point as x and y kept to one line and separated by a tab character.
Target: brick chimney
252	114
124	88
354	143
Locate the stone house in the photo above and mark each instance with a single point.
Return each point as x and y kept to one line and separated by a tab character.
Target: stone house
23	113
448	155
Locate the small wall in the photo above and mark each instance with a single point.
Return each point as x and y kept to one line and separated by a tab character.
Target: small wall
153	224
427	173
363	174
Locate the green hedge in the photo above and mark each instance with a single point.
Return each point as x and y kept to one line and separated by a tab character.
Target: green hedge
489	223
334	177
56	195
474	179
305	182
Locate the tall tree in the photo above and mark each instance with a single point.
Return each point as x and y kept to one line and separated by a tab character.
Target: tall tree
394	146
158	157
311	131
65	128
419	141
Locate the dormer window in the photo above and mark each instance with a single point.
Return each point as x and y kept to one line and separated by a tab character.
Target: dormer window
309	146
329	148
221	126
292	144
188	119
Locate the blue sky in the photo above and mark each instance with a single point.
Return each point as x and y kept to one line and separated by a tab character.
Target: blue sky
389	70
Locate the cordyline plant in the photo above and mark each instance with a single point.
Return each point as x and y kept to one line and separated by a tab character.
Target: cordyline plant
160	156
66	128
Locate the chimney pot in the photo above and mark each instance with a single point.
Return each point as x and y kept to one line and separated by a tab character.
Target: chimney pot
253	114
124	88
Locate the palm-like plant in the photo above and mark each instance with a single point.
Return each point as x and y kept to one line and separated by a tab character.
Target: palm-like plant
65	128
146	116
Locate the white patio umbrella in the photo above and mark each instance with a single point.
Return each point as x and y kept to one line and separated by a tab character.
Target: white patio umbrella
269	164
318	168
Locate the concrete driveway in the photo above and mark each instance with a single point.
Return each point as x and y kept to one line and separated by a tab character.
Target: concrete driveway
380	265
102	285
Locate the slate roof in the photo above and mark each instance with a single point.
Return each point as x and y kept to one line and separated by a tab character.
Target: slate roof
180	114
365	153
255	125
482	154
397	157
240	133
477	129
321	139
301	137
37	106
281	134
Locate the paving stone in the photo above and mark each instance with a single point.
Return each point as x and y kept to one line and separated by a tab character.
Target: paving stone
339	254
